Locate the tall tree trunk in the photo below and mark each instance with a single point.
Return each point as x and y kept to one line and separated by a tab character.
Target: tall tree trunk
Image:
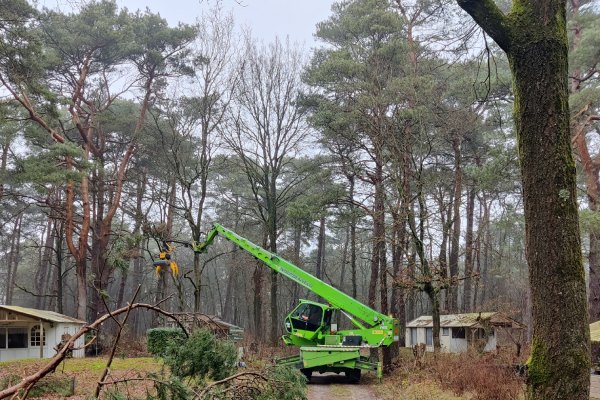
487	252
467	293
232	279
272	233
320	247
378	246
427	279
3	163
257	279
138	261
397	307
43	271
231	286
534	36
455	237
13	259
78	252
477	253
169	231
353	223
298	262
59	230
446	222
122	284
591	169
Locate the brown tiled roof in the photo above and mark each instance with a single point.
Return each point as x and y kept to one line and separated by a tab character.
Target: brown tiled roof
49	316
470	320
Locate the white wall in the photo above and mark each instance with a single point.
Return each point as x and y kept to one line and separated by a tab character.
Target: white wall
53	337
447	343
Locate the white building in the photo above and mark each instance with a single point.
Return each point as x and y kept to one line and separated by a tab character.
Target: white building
31	333
458	332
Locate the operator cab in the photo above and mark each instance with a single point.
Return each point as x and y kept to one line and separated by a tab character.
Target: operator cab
309	316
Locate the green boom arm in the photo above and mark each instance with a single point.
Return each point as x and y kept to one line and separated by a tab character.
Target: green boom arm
335	297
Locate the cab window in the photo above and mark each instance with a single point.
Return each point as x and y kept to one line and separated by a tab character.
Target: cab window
307	317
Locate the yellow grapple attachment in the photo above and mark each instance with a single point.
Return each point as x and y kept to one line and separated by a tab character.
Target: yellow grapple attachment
164	261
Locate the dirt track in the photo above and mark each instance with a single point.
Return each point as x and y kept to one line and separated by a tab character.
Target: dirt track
332	386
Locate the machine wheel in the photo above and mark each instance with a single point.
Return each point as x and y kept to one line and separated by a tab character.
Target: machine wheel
353	375
307	373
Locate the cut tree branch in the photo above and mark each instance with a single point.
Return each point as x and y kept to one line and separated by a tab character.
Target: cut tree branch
30	380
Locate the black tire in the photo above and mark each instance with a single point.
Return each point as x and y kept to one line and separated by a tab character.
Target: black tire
353	375
307	373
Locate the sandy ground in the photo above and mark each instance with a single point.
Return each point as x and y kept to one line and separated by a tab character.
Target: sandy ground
595	387
333	386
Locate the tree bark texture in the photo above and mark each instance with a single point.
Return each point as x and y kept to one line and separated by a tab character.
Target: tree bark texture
455	237
352	237
13	259
378	255
43	272
467	285
3	162
534	36
320	248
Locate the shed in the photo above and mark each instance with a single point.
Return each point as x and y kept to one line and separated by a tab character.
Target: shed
484	331
595	339
31	333
595	332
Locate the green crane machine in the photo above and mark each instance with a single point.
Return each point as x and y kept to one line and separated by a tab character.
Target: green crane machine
323	348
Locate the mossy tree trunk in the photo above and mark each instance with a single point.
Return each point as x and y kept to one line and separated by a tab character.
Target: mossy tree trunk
534	37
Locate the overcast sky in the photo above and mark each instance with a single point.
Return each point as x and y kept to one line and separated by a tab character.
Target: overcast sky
266	18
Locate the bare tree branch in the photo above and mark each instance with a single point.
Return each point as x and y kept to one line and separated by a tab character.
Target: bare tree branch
487	14
69	345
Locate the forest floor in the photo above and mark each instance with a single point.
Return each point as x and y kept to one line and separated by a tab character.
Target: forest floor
86	371
595	387
448	377
332	386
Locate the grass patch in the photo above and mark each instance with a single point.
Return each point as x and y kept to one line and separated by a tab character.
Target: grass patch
85	372
413	386
89	364
60	385
452	377
426	390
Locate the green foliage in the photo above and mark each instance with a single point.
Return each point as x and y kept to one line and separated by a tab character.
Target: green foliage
173	389
285	383
124	248
589	221
586	54
9	380
160	339
201	356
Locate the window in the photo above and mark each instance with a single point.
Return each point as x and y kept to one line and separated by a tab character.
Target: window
445	331
429	336
2	338
17	338
413	336
37	336
307	317
458	333
300	310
